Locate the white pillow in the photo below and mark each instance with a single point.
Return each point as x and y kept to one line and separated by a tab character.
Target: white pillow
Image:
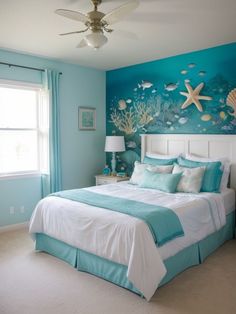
139	169
225	167
161	156
191	180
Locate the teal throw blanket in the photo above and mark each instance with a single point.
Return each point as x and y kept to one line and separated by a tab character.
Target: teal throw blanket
163	223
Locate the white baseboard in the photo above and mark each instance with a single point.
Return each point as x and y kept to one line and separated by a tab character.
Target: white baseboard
21	225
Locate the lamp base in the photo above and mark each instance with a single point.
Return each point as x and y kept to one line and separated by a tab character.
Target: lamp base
113	164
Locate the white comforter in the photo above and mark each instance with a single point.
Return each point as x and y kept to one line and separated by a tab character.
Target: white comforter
125	239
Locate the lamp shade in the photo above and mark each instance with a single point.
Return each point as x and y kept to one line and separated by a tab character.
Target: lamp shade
115	144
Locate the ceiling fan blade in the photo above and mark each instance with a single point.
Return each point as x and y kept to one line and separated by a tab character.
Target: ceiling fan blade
73	15
76	32
125	34
119	13
82	44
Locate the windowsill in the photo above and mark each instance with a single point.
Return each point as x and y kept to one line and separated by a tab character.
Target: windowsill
19	175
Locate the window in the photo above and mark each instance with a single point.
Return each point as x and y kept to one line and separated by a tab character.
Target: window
22	129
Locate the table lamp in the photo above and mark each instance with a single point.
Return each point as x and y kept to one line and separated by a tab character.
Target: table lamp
113	145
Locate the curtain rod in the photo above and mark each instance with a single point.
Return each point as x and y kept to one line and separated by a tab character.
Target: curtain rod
24	67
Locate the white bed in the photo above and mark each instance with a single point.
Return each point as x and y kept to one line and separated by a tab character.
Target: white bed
126	240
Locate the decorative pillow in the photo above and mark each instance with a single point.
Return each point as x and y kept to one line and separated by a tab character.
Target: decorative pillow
139	169
166	182
225	164
191	180
212	175
159	162
161	156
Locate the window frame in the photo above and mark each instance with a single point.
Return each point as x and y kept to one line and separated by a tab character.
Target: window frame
27	86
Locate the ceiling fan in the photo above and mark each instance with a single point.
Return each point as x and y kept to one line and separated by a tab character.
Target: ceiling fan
97	22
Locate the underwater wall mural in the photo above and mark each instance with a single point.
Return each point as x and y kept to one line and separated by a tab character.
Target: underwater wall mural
193	93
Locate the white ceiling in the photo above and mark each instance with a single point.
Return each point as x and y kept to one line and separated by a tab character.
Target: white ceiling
163	27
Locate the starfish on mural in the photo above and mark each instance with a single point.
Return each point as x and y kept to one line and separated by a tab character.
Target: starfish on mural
193	96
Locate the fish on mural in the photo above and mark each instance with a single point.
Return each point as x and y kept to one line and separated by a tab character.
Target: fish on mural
183	120
171	86
131	144
129	101
187	81
222	101
184	72
168	122
191	65
154	91
227	128
145	84
156	114
122	104
202	73
135	89
231	101
206	117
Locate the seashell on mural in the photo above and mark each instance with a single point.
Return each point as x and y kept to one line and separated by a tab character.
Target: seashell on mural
223	115
206	117
231	101
122	104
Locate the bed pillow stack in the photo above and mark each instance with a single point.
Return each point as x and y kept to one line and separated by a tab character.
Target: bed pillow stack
156	173
139	169
191	179
225	167
196	174
212	175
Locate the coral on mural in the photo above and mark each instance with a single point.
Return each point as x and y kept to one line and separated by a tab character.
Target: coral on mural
134	118
153	105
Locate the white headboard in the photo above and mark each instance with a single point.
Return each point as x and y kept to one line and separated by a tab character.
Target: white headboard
201	145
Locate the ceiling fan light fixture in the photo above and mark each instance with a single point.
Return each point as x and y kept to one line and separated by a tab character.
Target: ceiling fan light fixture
96	40
97	22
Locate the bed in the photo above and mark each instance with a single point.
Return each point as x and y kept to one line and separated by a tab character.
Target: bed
78	233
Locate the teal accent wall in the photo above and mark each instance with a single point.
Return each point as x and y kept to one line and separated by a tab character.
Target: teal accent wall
82	152
146	98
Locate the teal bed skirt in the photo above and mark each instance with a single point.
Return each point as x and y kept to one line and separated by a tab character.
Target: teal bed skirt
116	273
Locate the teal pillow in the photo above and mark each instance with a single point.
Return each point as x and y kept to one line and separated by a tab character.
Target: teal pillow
166	182
212	176
159	162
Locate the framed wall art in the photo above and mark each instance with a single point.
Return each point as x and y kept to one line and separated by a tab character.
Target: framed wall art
87	118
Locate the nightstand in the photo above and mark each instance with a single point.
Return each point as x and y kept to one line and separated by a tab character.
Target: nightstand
101	179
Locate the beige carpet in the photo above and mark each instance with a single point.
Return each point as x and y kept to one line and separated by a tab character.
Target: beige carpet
37	283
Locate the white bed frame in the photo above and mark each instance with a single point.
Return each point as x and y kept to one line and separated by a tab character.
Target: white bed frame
209	146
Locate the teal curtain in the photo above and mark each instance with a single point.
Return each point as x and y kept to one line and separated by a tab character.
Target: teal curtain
51	181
